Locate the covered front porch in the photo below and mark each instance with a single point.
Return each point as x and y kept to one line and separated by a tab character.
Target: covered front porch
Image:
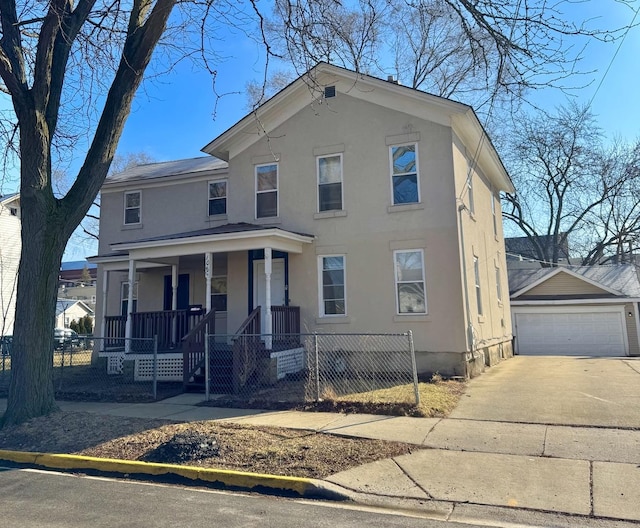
227	281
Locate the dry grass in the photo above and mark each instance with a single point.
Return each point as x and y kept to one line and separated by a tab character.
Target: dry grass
268	450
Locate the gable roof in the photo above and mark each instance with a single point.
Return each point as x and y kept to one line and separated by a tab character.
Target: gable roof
309	88
152	171
621	280
9	197
64	304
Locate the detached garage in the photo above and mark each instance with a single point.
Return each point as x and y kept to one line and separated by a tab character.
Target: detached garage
577	311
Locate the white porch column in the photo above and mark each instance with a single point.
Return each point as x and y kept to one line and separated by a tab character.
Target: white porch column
208	273
174	301
268	323
128	328
103	318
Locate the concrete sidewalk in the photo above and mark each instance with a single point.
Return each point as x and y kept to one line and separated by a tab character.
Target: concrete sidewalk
526	471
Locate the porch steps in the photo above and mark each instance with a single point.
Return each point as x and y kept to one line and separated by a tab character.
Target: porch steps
220	372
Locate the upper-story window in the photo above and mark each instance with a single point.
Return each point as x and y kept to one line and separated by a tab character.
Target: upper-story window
330	183
267	190
404	174
476	276
132	207
493	215
218	197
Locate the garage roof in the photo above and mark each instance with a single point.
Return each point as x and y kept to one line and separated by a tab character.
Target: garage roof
620	280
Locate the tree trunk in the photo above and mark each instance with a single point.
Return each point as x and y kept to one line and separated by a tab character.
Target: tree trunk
44	235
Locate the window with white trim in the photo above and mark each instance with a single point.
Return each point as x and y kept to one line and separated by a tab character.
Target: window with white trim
331	284
218	197
329	182
476	274
132	207
124	297
498	284
404	174
267	190
410	284
493	214
219	293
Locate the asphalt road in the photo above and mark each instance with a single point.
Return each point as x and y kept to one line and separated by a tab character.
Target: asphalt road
37	499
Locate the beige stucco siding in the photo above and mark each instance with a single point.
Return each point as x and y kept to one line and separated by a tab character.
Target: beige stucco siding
564	284
632	330
486	243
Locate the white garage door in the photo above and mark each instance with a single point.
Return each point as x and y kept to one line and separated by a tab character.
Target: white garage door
570	333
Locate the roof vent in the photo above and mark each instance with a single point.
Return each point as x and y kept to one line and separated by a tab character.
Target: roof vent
329	91
391	79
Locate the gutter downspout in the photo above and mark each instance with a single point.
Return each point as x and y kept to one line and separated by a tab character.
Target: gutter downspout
469	333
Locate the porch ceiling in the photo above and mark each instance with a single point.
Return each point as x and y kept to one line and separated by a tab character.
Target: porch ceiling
227	238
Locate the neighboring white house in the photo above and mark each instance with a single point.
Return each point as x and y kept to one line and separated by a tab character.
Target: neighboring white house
10	247
68	310
348	203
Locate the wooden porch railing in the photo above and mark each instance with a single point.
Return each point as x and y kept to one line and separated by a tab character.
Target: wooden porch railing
114	330
169	325
246	344
193	345
285	320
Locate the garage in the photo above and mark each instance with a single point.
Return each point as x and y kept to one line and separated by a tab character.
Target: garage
570	331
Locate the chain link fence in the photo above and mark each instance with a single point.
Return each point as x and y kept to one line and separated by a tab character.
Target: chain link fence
309	367
122	370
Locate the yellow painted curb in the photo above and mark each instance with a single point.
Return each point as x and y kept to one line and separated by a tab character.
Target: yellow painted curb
305	487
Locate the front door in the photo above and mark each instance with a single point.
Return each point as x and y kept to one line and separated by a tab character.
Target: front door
278	294
183	292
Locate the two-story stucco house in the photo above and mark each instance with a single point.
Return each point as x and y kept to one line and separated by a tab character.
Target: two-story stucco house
344	204
10	247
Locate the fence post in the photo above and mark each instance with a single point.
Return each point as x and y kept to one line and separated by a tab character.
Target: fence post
206	363
155	366
317	366
414	367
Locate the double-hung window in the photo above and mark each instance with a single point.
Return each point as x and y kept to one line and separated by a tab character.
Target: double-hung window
404	174
124	298
267	190
332	285
410	285
476	274
330	183
132	207
218	197
219	293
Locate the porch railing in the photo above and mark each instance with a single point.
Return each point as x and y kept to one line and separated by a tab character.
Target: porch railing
169	325
193	345
285	320
245	349
114	330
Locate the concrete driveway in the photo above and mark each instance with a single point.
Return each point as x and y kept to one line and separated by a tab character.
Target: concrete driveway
601	392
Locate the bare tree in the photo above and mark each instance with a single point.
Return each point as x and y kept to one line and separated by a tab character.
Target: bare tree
70	71
571	189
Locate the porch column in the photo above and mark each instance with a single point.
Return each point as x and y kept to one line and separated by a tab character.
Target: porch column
208	273
103	318
174	301
128	328
268	323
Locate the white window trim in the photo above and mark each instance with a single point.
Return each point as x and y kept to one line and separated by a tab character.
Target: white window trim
396	282
321	313
318	158
123	298
125	208
226	196
256	192
391	173
499	285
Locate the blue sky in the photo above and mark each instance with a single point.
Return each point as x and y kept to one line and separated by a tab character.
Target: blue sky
174	116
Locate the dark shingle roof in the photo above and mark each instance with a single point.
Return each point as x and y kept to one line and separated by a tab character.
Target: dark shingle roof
168	168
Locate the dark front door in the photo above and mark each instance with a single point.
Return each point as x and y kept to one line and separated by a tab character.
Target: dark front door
183	292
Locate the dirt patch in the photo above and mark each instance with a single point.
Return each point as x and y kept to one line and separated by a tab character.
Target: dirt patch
268	450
